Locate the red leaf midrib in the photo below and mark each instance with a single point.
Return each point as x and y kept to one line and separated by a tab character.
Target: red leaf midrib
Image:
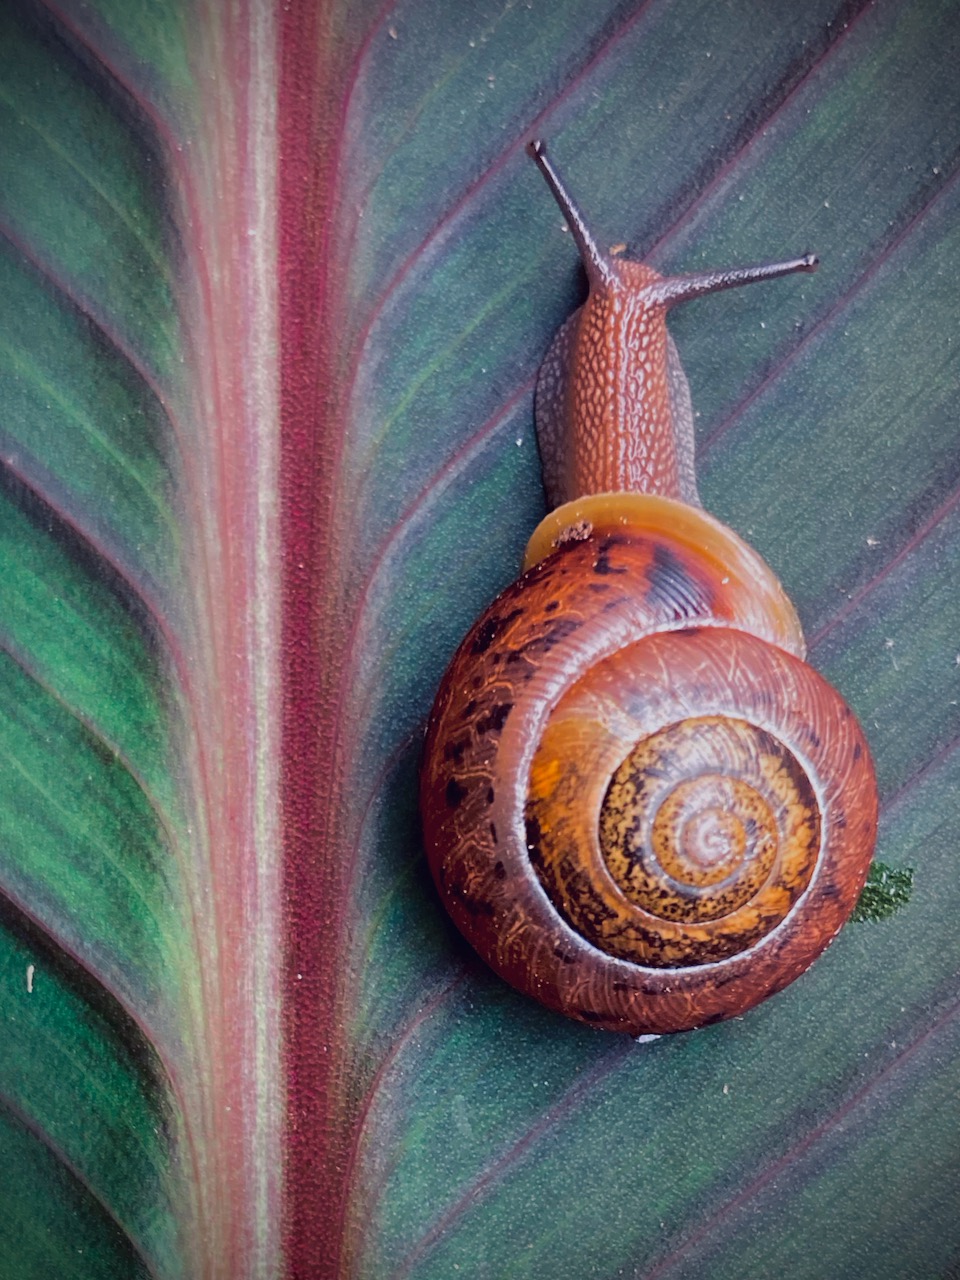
315	78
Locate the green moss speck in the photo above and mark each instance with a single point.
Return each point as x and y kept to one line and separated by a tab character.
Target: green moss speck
887	890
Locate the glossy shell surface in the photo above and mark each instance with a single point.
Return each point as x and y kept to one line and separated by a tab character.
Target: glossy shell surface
567	823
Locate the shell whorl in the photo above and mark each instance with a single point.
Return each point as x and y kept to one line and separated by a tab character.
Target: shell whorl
579	866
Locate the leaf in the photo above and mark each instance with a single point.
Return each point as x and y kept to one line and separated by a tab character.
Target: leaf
276	283
127	1098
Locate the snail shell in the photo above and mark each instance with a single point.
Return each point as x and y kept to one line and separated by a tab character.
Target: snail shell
640	805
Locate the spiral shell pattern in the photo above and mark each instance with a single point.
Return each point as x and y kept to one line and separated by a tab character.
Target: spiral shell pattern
638	806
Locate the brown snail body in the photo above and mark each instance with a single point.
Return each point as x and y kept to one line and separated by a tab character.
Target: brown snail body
640	805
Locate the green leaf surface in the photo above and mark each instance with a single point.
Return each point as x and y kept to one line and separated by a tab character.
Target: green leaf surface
158	1114
97	941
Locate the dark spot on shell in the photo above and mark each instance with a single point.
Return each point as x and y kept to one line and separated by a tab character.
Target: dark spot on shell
495	718
490	795
499	870
455	793
588	1015
564	956
534	838
490	629
687	631
621	986
487	632
602	563
553	633
472	905
493	837
671	585
857	751
455	749
552	607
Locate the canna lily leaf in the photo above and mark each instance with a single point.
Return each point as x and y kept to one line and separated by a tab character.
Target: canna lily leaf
276	281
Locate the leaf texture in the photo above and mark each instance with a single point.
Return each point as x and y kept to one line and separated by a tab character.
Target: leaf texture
276	283
134	1085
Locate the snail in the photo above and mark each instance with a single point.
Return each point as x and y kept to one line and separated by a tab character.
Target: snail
639	803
